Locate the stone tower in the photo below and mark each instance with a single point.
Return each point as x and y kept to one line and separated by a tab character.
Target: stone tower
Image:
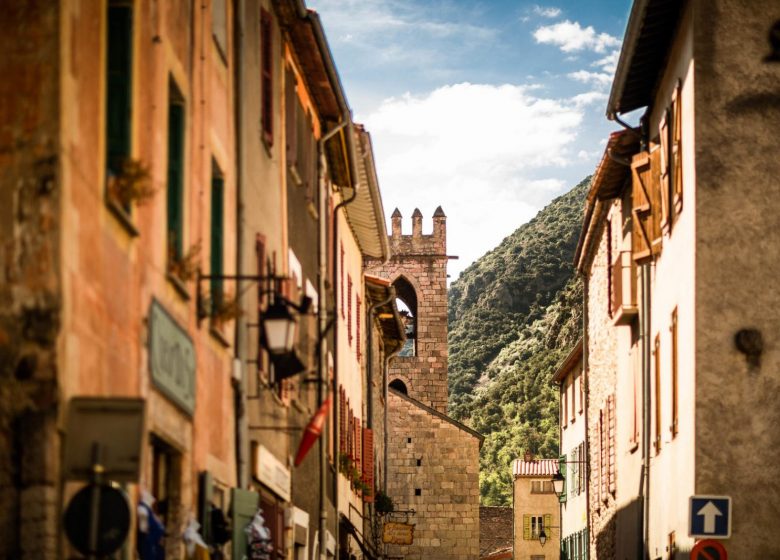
418	271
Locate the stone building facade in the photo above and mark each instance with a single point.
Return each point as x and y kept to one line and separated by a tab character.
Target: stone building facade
433	460
536	509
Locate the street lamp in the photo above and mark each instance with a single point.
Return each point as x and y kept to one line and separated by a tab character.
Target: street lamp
558	481
279	328
542	537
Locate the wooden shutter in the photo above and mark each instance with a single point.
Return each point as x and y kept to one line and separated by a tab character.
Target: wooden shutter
663	155
675	373
119	60
562	469
657	392
290	116
358	323
349	309
646	235
341	276
342	420
602	456
243	506
368	464
266	78
676	163
526	527
547	524
611	435
350	432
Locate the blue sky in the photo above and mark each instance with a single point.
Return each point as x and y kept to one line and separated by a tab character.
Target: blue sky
489	109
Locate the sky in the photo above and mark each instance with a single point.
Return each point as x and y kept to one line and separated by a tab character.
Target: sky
488	108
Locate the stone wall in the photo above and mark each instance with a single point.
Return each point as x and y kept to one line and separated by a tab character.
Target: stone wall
432	455
600	384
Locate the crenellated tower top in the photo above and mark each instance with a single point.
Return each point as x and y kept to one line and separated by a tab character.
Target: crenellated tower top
417	243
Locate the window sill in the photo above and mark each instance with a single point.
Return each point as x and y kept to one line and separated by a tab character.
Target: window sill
121	215
215	330
179	286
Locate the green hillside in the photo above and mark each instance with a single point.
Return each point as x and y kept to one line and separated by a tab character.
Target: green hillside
513	316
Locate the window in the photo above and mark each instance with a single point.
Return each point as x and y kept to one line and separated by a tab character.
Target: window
266	76
399	386
407	306
418	491
574	459
175	174
166	472
119	71
675	374
581	377
219	29
542	487
273	512
564	404
573	398
534	524
657	392
217	235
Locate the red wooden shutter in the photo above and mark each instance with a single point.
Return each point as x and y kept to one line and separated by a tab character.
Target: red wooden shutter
341	279
342	420
358	322
611	436
368	464
266	78
290	121
349	309
602	456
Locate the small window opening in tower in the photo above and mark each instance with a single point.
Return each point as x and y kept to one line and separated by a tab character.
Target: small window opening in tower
407	307
399	386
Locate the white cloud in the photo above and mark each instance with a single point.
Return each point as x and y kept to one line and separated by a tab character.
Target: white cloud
588	98
599	79
546	11
571	36
609	62
475	149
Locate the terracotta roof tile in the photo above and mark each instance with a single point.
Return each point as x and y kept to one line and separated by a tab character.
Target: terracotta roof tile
537	467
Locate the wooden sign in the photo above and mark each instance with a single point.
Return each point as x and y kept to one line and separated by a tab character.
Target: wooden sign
398	533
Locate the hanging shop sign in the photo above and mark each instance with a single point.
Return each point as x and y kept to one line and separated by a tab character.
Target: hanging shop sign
398	533
271	471
171	358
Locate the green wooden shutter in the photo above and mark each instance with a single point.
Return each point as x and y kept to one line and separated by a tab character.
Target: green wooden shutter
585	544
244	505
175	178
206	483
217	235
526	527
119	60
548	524
562	469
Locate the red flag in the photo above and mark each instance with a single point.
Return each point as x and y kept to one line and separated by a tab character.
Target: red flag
312	431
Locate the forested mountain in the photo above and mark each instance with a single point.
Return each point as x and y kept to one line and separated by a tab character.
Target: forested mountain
514	314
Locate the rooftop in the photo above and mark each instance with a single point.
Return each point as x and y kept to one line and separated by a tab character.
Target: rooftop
535	467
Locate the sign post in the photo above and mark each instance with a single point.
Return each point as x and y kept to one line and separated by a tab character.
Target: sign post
710	517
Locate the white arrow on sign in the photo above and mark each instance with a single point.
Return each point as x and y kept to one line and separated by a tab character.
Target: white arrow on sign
709	512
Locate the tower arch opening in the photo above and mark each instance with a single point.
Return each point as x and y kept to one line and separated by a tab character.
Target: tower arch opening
399	386
406	300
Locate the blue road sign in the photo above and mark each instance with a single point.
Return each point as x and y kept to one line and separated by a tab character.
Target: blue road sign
710	517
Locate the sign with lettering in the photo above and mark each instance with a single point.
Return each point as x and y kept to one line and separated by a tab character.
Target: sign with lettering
398	533
272	472
171	358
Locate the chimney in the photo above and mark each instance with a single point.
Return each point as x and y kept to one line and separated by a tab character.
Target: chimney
528	456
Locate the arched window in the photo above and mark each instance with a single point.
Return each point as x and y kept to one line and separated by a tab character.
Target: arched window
399	386
406	301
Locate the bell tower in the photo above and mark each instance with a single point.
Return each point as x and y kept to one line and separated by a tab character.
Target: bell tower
418	271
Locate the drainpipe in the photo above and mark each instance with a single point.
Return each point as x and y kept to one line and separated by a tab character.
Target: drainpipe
322	319
239	385
644	322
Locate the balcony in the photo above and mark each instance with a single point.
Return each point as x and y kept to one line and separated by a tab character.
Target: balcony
623	299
